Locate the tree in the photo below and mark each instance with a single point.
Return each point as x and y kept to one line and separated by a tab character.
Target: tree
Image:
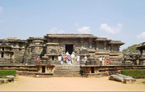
131	49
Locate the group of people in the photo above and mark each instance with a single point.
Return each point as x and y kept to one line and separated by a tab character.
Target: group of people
70	58
103	60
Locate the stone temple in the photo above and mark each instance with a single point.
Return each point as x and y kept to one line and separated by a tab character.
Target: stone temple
23	53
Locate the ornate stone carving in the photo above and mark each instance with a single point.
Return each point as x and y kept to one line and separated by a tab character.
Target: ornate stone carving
53	51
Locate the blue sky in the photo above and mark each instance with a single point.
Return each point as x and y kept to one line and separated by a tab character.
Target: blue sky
115	19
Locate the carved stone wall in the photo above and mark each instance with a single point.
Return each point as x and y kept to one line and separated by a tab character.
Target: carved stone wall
100	45
50	46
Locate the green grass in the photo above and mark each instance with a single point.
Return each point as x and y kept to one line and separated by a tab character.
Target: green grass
4	73
135	73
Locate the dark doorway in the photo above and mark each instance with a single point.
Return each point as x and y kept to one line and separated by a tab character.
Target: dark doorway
43	69
92	69
2	55
3	48
69	48
52	57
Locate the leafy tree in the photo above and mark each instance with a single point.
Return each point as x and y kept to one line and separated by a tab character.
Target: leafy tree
131	49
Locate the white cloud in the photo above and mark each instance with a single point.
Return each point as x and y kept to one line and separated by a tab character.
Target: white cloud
142	35
84	30
55	30
111	30
1	9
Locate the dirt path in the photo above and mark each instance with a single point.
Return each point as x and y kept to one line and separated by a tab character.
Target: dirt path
69	84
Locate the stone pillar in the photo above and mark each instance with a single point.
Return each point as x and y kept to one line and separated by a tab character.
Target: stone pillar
89	69
39	69
105	43
96	45
82	41
90	42
118	47
96	70
111	47
74	47
45	69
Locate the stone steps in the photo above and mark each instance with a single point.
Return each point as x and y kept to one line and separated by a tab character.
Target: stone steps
67	71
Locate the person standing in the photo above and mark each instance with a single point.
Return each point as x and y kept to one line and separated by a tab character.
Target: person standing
66	58
62	60
100	60
59	59
103	60
137	59
67	53
106	61
38	59
85	59
73	52
72	57
109	60
78	59
69	60
123	62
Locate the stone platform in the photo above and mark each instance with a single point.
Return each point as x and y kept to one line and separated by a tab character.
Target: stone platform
70	70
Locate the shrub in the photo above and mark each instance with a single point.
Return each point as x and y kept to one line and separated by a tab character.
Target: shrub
4	73
135	73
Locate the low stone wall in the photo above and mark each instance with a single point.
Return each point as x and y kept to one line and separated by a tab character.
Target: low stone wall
72	70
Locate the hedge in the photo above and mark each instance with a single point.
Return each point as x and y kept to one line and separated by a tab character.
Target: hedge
4	73
135	73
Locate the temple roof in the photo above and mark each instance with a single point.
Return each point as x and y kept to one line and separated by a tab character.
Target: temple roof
70	36
12	38
5	45
141	46
116	42
35	38
47	36
102	39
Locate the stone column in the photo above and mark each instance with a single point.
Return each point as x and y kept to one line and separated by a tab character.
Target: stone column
39	69
111	47
96	45
118	47
90	42
82	41
96	70
45	69
105	43
89	69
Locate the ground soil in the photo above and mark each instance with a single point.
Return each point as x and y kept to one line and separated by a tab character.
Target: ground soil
24	83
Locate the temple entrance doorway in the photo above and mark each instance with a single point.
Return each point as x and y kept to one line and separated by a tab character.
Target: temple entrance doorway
92	69
69	48
43	69
2	55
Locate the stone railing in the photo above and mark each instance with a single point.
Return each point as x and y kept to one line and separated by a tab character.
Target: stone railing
114	53
48	62
4	61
